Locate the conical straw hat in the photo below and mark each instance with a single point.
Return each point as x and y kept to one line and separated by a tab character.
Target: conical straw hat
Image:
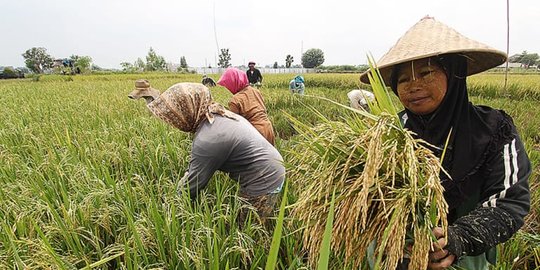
143	84
429	38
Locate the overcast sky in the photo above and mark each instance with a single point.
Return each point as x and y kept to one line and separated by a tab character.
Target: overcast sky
264	31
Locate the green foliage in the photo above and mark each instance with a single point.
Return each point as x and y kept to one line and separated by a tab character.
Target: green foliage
312	58
325	250
139	64
224	59
35	77
183	62
288	61
95	67
10	73
525	58
128	67
344	68
154	62
37	59
276	238
182	70
84	63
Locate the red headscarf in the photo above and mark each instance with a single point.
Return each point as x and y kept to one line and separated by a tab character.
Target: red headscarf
234	80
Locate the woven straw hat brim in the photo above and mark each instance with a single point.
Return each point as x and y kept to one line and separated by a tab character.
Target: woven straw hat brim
429	38
145	88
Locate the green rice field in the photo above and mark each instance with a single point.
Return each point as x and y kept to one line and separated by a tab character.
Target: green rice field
88	177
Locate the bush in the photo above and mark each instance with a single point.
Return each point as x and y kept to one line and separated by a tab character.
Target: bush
11	73
34	77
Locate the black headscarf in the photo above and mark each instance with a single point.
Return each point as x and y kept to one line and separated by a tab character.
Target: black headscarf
473	128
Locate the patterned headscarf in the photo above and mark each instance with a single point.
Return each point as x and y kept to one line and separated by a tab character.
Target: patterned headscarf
186	105
234	80
299	79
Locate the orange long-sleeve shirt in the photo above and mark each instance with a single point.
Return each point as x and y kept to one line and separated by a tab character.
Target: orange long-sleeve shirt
249	103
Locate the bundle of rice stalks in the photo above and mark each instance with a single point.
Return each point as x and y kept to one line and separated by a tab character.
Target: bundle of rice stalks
386	183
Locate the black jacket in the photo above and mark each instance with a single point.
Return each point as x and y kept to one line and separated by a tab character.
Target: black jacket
255	76
494	197
497	198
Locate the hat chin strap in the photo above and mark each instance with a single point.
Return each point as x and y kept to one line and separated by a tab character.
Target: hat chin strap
148	99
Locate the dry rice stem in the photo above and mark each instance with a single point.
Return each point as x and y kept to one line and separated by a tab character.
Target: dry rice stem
385	182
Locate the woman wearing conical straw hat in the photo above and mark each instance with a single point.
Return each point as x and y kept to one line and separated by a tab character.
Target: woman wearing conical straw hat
487	187
222	141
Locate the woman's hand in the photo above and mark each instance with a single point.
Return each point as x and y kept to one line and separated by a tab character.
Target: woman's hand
440	258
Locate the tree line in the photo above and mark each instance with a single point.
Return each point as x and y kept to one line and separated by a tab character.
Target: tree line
525	59
312	58
38	61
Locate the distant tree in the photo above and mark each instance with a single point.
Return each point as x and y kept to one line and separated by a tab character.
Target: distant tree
24	70
128	67
139	64
312	58
95	67
183	62
154	62
10	73
37	59
224	59
525	58
84	63
529	59
514	58
362	68
275	65
344	68
288	61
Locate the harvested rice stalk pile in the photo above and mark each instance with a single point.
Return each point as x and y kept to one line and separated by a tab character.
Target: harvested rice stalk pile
386	183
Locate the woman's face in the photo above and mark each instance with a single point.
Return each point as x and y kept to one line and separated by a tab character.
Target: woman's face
421	86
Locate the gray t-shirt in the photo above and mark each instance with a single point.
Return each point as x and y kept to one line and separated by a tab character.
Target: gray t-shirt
235	147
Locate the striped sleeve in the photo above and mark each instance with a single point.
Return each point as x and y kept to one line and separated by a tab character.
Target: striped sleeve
507	180
505	200
511	170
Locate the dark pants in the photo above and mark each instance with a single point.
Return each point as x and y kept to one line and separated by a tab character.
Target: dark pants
264	204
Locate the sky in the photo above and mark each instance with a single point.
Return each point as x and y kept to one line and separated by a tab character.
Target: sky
264	31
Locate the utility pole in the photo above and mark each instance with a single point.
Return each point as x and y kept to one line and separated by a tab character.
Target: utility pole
507	45
215	32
